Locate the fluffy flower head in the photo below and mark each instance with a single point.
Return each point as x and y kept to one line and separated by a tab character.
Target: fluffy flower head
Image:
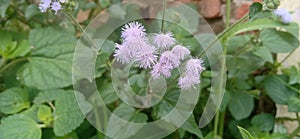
163	41
194	67
133	30
284	14
188	82
122	54
160	69
146	57
180	51
170	59
44	5
56	7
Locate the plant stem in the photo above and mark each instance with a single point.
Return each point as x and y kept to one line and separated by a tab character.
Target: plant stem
222	34
286	57
297	130
163	16
78	26
12	63
220	118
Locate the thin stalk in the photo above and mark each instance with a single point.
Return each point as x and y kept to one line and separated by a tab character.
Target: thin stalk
222	34
12	63
3	61
221	125
163	16
220	117
286	57
297	130
78	26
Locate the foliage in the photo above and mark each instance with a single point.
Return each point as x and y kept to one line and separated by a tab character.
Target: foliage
37	99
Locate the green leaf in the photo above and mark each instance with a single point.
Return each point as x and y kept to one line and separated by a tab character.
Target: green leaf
3	7
260	24
104	3
293	104
13	100
45	114
19	127
240	105
50	64
115	126
264	121
68	115
245	134
255	9
278	41
264	53
165	105
46	73
191	126
21	50
31	11
276	87
47	96
294	75
107	91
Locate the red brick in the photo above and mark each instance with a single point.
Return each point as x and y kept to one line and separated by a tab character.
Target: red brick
210	8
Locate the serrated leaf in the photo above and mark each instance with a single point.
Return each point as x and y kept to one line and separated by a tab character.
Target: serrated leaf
47	96
277	90
260	24
19	126
240	105
21	50
278	41
50	64
264	121
68	115
120	129
46	73
45	114
255	9
245	134
13	100
293	104
31	11
264	53
107	92
191	126
3	7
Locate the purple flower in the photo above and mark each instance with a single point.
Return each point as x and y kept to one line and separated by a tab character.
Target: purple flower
135	44
163	41
194	67
284	14
44	5
180	51
56	7
191	77
187	82
167	62
170	58
146	57
133	30
161	68
122	54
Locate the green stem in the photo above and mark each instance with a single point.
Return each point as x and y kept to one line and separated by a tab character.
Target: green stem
222	34
286	57
221	125
12	63
220	117
98	122
3	61
216	123
163	16
79	27
297	130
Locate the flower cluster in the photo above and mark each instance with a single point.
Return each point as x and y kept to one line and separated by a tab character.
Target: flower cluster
54	5
161	55
284	14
